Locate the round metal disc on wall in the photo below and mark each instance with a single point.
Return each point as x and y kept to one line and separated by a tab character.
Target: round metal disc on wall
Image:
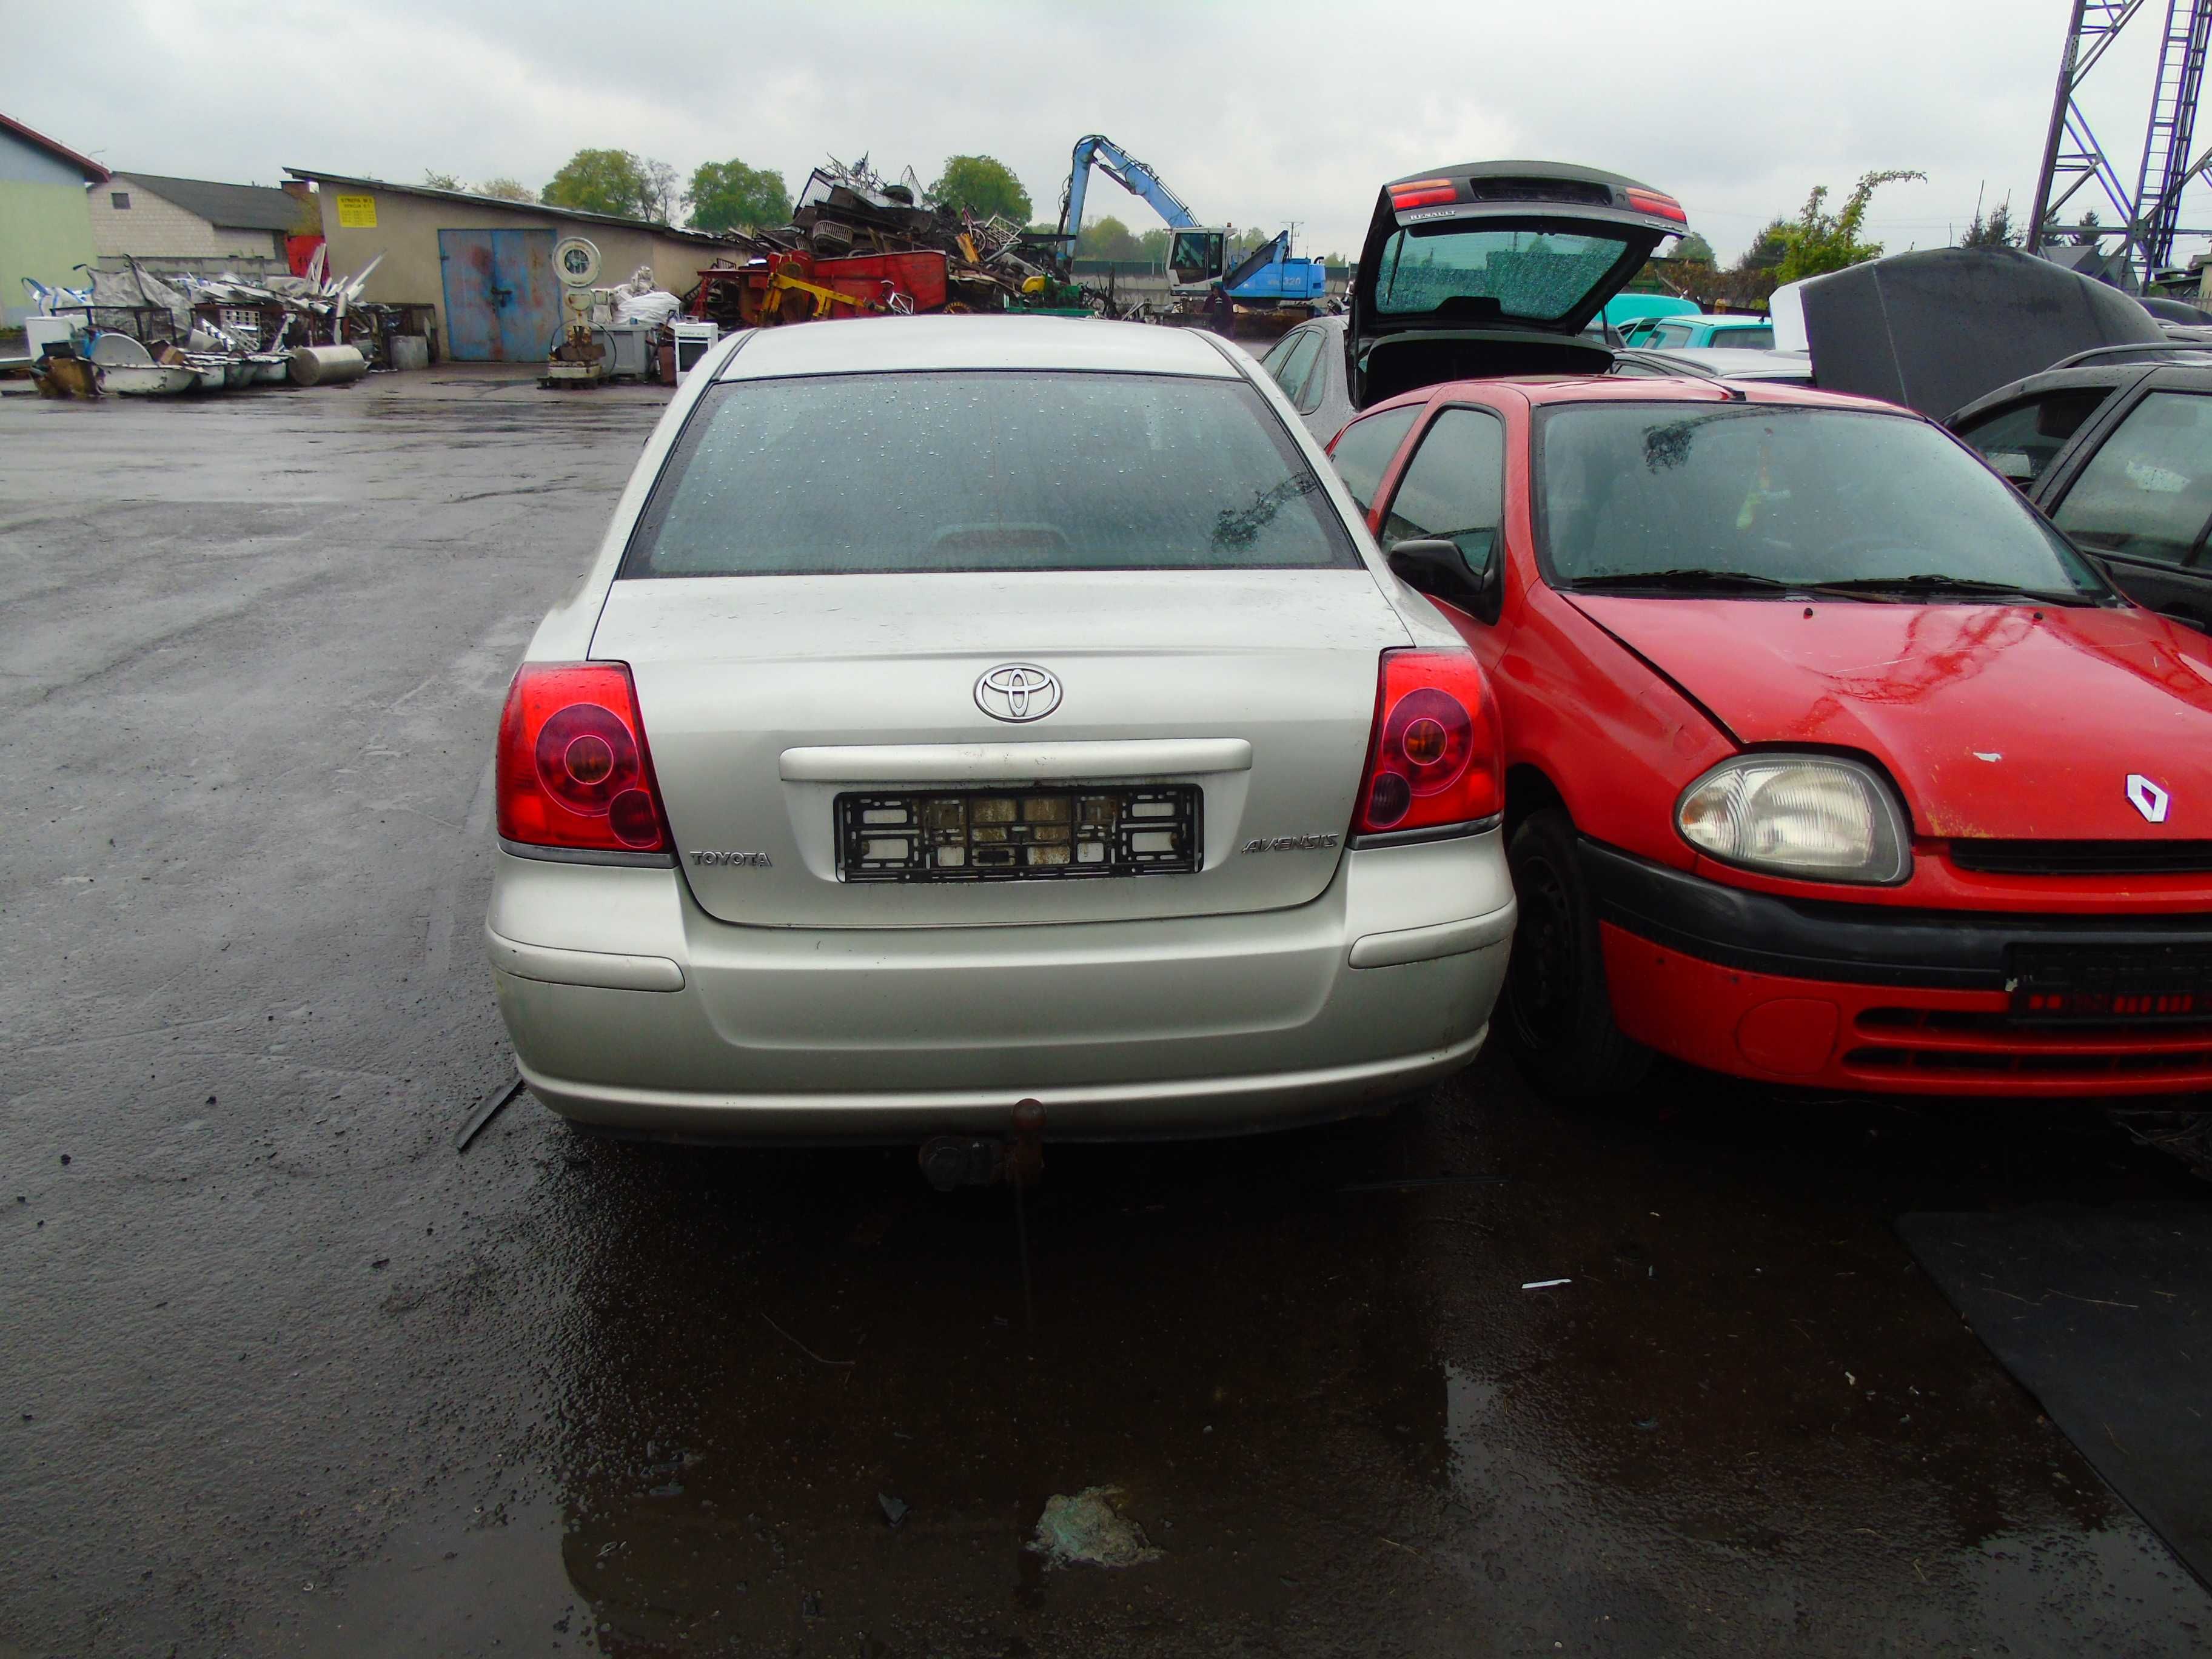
576	261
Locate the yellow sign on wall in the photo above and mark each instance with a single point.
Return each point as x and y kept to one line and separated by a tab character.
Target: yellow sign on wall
358	212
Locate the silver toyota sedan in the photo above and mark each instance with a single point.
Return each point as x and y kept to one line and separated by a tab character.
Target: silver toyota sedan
962	710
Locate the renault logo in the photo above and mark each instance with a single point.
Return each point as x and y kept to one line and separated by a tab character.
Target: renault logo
2152	802
1018	691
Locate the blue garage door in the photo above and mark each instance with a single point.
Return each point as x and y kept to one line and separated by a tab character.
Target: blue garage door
502	304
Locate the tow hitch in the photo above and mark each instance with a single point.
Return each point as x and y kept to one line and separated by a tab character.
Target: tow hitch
953	1161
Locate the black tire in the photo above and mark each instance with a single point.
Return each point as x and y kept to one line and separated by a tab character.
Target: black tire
1556	1010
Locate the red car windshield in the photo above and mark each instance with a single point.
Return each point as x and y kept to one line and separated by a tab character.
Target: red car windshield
1683	497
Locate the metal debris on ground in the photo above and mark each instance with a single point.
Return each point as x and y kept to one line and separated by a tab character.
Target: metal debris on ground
2178	1131
149	334
1088	1531
485	1110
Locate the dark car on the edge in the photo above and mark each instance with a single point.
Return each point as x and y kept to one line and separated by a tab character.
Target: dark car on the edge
2114	446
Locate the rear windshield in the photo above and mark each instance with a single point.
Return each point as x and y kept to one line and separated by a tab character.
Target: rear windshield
857	474
1792	494
1538	274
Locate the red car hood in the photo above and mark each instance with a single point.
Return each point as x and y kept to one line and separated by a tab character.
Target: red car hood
1994	724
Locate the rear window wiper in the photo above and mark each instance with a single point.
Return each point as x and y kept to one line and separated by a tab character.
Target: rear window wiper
1961	586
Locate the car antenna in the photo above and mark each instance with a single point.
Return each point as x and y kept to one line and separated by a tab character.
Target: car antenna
1734	394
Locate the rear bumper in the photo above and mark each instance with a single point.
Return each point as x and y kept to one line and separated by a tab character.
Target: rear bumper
1868	997
631	1009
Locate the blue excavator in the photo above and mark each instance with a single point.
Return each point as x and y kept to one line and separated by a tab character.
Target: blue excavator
1266	279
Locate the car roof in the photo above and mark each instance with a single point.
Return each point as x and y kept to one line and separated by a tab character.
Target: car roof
862	345
2108	377
1542	389
1730	363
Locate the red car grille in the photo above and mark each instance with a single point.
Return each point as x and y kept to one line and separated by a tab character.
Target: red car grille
1935	1043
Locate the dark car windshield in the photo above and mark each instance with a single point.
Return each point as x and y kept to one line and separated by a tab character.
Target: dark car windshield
1793	495
984	471
1541	275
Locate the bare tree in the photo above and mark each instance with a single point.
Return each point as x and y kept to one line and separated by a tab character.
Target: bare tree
662	192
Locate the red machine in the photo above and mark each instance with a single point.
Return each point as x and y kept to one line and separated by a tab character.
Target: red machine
798	287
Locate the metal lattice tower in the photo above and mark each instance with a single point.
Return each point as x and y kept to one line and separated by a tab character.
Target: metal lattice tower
2148	216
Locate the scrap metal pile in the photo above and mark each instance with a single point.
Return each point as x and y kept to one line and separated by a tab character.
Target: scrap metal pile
139	332
858	245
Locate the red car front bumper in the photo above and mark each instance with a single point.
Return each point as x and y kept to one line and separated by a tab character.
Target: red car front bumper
1852	998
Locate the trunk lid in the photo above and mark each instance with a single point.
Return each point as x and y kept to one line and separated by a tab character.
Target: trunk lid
1937	329
765	698
1996	725
1492	268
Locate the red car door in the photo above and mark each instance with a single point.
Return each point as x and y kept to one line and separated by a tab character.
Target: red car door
1586	723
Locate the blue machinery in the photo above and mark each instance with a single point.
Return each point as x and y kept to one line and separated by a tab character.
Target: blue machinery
2150	217
1197	253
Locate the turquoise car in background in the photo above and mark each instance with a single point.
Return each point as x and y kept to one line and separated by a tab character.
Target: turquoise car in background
1624	311
1691	330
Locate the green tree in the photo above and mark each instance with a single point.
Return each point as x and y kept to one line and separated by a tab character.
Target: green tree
433	179
602	181
731	195
1822	241
506	190
983	185
1766	249
1108	238
1995	231
2084	234
1693	249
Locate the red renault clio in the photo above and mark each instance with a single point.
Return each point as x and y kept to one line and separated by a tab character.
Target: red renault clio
1830	761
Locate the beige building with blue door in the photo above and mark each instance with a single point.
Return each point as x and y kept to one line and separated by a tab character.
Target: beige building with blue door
45	227
487	264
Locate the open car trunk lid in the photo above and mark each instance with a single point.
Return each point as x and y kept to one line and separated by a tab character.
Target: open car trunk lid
766	700
1494	268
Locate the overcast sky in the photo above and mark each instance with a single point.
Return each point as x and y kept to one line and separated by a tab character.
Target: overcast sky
1261	114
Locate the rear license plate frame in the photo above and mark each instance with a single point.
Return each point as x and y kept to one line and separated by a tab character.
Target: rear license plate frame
2110	985
1026	823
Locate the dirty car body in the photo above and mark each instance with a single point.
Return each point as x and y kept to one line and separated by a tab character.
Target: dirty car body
1829	762
968	709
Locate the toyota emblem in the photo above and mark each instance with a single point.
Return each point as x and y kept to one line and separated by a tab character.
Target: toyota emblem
1018	691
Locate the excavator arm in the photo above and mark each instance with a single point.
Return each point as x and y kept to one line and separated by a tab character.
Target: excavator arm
1124	170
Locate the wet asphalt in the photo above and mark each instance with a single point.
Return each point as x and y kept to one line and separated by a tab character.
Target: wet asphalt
280	1373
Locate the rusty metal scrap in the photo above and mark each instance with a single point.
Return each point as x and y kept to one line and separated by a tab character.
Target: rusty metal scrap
858	245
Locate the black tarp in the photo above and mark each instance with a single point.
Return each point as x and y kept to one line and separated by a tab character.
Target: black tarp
2105	1315
1936	331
